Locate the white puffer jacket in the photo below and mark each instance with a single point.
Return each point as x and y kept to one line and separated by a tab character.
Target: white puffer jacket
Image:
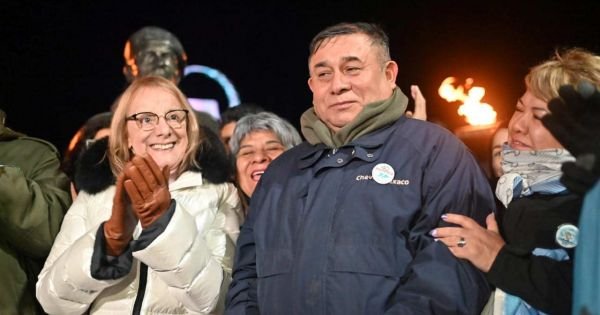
188	263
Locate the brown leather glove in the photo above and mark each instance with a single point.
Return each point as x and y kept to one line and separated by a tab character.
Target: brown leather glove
118	230
148	189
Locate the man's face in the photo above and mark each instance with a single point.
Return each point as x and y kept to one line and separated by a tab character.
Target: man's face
346	74
157	58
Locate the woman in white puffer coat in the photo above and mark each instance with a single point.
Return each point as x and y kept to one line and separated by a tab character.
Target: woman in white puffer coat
153	230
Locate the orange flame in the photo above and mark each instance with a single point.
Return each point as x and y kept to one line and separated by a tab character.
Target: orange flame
475	112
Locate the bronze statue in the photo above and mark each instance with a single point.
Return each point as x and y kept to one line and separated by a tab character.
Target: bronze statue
154	51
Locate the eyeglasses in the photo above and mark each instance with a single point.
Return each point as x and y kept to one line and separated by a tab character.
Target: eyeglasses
148	120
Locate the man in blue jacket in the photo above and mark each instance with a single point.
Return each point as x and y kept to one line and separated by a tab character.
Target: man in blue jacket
339	225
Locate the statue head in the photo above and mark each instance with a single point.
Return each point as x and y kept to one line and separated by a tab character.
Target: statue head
154	51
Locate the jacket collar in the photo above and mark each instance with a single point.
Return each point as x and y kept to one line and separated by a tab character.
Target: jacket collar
364	148
186	180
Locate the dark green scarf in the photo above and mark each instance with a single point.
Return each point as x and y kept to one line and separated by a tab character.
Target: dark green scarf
372	117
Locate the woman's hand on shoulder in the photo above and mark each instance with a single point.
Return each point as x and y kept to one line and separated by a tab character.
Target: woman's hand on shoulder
471	241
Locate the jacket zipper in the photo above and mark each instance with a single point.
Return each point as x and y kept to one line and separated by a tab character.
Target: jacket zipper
139	299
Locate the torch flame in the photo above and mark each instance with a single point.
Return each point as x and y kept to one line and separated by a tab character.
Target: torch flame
476	113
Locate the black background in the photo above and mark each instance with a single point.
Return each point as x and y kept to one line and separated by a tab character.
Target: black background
61	61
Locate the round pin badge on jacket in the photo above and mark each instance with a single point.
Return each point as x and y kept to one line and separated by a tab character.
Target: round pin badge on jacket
567	235
383	173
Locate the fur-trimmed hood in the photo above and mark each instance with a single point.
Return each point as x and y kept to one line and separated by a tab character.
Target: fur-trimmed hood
93	173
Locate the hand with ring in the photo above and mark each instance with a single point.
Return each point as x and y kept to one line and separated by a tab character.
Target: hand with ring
471	241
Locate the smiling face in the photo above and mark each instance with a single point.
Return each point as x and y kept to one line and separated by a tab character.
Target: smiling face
257	150
347	73
165	144
525	129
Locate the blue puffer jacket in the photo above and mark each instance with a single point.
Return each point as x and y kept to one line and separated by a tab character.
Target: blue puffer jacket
323	237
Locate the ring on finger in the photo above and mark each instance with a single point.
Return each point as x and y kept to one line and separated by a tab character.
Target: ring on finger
462	242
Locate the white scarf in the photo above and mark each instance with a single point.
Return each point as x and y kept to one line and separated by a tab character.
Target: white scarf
527	172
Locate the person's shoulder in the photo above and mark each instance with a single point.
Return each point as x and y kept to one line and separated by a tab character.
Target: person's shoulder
296	152
288	161
426	142
425	127
423	134
34	144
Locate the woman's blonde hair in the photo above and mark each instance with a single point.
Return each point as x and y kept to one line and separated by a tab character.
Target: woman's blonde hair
120	153
568	67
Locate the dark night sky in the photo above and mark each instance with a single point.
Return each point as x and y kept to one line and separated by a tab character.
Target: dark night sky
61	61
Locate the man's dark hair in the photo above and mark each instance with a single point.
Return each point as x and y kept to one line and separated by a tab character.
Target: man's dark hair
236	113
373	31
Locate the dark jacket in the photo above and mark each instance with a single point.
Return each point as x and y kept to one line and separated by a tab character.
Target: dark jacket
34	196
323	237
529	223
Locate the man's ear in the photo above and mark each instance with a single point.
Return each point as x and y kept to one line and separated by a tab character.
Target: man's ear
310	84
391	72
